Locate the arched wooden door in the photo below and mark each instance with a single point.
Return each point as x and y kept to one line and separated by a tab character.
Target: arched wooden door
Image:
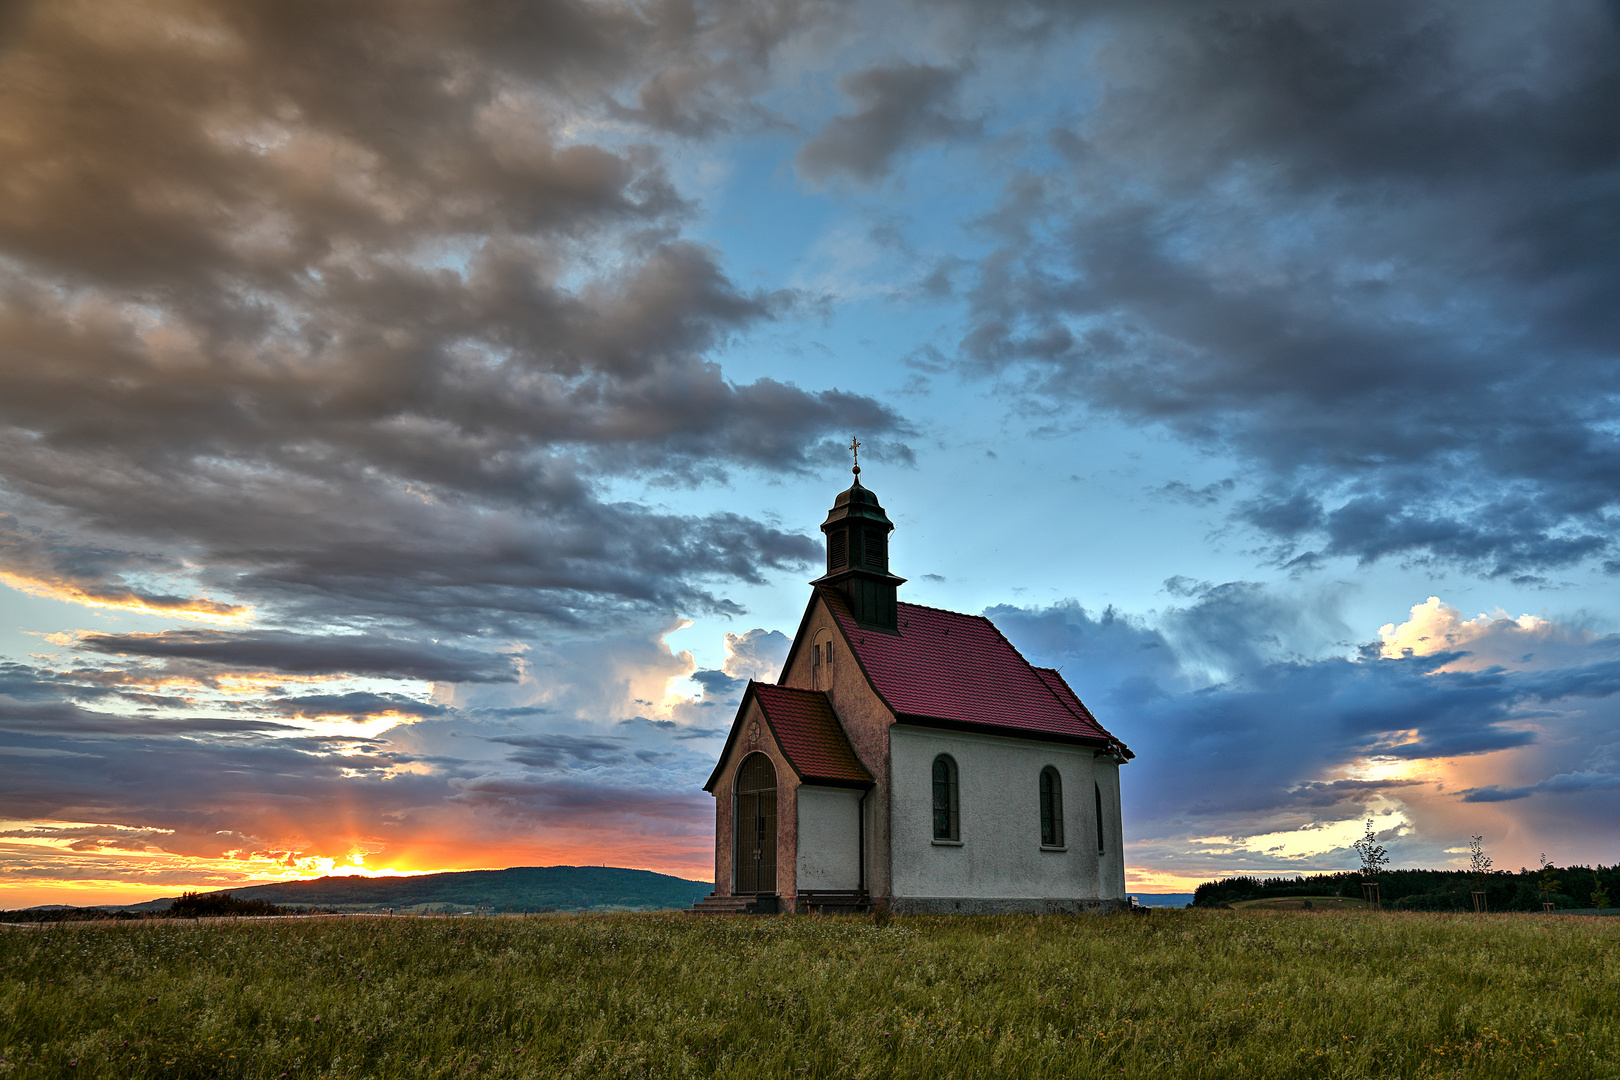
754	836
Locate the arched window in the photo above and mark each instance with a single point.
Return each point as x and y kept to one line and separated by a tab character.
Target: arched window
821	658
1098	789
1051	808
947	812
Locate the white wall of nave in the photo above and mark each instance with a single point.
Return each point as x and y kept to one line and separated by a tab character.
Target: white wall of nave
1000	853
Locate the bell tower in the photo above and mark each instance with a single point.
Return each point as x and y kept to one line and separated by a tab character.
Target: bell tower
857	533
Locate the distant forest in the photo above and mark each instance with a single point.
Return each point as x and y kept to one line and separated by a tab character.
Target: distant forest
516	889
1566	887
188	906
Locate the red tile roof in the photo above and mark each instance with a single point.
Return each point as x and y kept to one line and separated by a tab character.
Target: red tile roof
808	732
959	669
1054	682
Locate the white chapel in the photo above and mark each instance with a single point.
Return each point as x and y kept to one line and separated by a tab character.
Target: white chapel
911	757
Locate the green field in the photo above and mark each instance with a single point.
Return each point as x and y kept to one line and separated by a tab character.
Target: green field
1303	903
1174	993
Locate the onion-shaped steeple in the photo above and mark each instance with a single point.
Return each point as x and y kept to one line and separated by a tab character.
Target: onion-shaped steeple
857	533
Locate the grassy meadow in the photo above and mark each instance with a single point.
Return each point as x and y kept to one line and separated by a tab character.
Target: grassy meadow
1175	993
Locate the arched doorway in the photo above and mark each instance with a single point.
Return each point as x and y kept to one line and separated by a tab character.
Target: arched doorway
754	835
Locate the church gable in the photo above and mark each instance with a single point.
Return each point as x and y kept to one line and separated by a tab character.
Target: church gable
804	730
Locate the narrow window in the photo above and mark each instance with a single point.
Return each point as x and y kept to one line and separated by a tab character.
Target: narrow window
829	654
947	816
815	655
1098	789
1051	808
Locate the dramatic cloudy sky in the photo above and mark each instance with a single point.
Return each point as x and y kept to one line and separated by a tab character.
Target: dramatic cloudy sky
415	416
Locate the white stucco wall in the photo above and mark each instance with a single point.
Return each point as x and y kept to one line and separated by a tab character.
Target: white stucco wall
1112	865
829	838
1000	854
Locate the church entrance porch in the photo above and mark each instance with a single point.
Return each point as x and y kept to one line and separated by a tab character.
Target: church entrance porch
754	848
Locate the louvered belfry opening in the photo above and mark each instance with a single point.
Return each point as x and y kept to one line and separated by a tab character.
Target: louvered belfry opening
754	836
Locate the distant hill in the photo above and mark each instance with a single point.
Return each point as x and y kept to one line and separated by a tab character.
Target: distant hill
520	888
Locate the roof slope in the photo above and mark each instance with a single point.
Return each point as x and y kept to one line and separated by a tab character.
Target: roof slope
958	669
1065	693
808	732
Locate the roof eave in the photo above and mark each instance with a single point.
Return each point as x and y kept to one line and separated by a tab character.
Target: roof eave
837	781
1027	734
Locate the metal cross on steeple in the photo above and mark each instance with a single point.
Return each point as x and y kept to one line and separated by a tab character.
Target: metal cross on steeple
855	448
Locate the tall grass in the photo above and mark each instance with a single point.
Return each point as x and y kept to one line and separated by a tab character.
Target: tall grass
1172	994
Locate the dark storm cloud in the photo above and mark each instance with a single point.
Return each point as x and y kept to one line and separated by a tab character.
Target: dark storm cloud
295	654
1333	793
1370	247
213	794
1560	784
24	682
552	751
62	718
898	106
1600	679
1233	728
365	336
358	705
717	683
548	798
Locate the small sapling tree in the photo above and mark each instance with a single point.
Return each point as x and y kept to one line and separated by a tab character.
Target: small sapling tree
1549	882
1479	867
1373	860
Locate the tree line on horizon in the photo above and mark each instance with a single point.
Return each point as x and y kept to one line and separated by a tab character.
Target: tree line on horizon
190	905
1565	887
